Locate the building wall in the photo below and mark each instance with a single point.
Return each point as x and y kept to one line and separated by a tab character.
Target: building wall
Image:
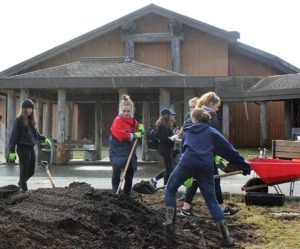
203	54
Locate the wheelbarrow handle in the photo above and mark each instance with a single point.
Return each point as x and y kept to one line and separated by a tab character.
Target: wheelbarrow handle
229	174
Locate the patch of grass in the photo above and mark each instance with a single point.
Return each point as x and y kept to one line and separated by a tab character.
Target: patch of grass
253	152
80	154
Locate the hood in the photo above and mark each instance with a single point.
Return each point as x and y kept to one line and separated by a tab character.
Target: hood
196	127
207	109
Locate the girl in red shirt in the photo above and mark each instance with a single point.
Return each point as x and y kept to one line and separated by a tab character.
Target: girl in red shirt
124	130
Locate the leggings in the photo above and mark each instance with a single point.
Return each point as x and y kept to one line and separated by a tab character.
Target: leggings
27	164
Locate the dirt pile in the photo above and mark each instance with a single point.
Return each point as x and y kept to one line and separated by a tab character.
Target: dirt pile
79	216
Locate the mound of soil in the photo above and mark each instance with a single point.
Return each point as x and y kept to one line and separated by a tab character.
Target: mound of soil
79	216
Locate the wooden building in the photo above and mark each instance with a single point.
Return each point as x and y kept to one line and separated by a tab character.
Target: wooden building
195	57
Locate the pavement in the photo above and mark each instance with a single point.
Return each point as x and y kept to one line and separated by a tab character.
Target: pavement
99	176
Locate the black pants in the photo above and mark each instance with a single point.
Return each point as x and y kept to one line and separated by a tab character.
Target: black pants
27	164
116	174
191	191
168	162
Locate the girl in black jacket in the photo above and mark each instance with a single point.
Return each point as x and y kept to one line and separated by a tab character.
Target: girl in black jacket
165	147
25	136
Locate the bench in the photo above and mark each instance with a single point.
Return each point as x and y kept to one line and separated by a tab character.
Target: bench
285	149
81	145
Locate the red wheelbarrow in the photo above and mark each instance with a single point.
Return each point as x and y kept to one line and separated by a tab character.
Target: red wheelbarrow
272	172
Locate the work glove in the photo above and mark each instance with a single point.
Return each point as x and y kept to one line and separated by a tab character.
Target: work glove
141	128
12	157
173	138
218	159
48	141
188	182
138	134
246	169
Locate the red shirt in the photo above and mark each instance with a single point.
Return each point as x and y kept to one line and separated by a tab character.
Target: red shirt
122	127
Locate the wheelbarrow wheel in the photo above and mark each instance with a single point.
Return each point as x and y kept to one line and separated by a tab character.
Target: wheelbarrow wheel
256	182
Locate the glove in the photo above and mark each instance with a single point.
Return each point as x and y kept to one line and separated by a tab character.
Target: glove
218	159
188	182
47	141
141	128
173	138
246	169
138	134
12	157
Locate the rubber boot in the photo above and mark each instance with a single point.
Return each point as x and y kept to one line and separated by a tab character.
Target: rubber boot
170	218
224	230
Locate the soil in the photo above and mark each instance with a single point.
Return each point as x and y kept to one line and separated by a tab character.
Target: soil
80	216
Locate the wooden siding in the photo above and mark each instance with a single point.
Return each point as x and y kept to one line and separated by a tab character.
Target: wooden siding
203	54
276	126
240	65
155	54
3	108
108	45
244	133
152	23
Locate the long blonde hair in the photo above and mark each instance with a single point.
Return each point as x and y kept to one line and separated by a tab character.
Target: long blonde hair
126	101
208	98
164	119
27	120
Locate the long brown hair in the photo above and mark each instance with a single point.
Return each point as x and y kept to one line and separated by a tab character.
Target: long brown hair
200	115
27	120
164	119
208	98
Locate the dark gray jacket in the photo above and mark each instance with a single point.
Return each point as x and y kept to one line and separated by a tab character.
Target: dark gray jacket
23	135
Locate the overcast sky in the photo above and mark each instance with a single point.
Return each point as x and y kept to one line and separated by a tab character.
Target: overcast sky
30	27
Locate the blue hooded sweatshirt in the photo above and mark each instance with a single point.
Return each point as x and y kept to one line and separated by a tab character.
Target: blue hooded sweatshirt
199	145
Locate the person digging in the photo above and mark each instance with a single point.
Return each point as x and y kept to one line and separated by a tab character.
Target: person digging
197	161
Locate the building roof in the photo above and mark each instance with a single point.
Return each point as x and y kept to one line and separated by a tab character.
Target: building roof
230	36
278	87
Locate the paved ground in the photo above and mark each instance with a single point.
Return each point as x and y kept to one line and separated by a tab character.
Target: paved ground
99	176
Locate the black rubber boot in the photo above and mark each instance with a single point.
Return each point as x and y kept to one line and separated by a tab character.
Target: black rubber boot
169	221
224	230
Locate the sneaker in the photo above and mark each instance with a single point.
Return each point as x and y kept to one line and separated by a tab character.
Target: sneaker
153	182
187	212
230	211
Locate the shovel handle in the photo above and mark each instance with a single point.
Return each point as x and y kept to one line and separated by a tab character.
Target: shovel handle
229	174
50	177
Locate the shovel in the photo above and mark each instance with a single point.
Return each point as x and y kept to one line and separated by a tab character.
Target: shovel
45	166
123	174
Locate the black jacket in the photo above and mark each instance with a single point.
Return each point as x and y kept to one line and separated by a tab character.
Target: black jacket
165	144
24	135
214	122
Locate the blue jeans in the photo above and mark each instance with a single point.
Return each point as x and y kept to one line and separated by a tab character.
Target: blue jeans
205	181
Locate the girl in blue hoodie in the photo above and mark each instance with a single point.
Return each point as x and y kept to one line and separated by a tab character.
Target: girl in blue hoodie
199	145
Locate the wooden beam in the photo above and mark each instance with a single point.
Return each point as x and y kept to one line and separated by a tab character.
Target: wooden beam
288	119
11	115
164	98
263	123
129	48
48	119
61	117
69	120
98	128
225	120
175	46
39	114
146	122
152	37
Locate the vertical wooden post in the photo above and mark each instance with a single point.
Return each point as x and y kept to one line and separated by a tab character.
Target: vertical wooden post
24	93
179	113
175	46
48	119
98	128
146	122
129	48
122	91
188	94
288	119
61	112
11	115
164	98
39	114
69	120
225	120
263	123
